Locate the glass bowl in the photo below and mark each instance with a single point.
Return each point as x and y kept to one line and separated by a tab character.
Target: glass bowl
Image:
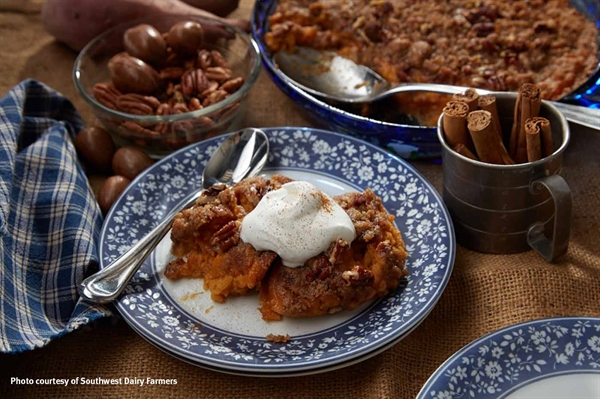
405	138
160	135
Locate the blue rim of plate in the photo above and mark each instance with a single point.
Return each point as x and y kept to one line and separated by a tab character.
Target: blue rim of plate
420	215
311	371
502	362
283	374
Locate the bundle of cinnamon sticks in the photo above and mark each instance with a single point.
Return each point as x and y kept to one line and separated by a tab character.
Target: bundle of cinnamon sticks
472	128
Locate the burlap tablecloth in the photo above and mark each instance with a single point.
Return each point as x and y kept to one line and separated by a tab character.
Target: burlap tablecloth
485	292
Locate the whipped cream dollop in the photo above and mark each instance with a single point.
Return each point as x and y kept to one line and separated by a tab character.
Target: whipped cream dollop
298	222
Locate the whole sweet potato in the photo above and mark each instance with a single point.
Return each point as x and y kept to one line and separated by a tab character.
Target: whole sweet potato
76	22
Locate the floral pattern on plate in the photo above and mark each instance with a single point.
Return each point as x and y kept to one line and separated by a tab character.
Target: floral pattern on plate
498	364
420	216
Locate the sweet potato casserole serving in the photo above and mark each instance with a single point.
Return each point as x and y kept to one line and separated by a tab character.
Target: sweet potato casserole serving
494	44
208	241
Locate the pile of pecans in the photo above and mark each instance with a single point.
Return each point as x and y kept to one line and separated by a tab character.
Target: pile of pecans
165	74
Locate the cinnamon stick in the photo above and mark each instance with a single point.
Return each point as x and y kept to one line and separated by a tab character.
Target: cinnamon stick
454	123
542	125
488	103
488	145
464	151
470	97
534	145
527	106
505	156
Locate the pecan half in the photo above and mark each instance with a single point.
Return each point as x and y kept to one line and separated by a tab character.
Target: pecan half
194	104
203	122
217	59
177	98
321	269
175	142
227	236
220	74
204	59
497	83
106	94
336	249
206	197
218	187
137	104
358	276
210	194
171	73
213	86
164	109
182	131
232	85
133	127
180	108
194	81
162	128
214	97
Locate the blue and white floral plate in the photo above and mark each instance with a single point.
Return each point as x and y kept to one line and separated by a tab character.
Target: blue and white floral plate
181	319
552	358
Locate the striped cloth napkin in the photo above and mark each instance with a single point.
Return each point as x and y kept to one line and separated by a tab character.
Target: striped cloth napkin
49	220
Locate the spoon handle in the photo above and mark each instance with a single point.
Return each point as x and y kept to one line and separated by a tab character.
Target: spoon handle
427	87
242	154
584	116
107	284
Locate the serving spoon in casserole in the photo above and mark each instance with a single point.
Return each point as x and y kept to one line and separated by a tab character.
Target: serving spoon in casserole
327	75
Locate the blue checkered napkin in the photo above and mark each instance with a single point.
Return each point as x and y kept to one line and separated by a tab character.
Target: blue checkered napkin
49	220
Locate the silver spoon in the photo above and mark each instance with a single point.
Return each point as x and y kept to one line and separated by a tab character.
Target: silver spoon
241	155
328	75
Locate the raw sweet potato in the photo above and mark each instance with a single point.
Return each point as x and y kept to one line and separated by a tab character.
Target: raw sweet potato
76	22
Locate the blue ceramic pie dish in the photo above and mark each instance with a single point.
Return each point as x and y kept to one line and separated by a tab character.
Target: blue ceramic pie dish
407	140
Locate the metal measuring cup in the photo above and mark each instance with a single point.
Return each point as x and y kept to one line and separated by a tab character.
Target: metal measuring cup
510	208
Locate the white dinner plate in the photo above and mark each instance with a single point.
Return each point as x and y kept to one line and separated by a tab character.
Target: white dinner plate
556	358
181	319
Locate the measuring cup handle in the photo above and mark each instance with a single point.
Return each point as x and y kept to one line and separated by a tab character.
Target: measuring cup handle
561	195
